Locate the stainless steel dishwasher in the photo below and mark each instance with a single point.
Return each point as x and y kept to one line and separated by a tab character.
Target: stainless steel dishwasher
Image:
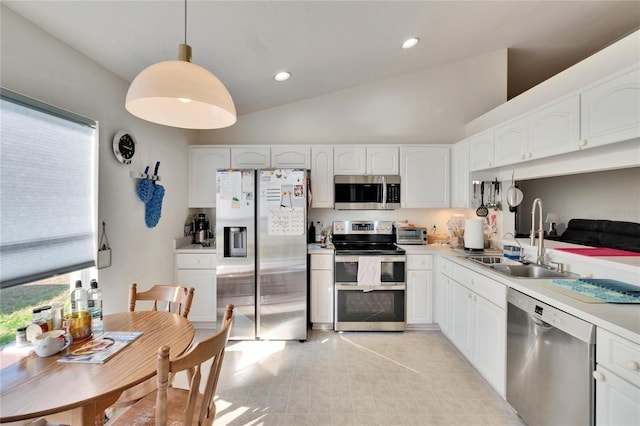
550	358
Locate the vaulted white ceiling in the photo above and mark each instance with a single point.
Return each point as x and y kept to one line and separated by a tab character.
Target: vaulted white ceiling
331	45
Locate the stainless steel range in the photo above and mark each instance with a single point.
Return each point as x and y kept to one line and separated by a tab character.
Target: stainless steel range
369	277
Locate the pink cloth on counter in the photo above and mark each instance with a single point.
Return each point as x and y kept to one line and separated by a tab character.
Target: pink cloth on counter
369	271
598	251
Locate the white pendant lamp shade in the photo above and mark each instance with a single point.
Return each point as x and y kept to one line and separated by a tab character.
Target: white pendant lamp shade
181	94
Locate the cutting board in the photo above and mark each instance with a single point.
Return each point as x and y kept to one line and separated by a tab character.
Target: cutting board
598	251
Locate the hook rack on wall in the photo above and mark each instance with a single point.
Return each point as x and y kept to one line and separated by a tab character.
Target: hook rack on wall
136	175
146	175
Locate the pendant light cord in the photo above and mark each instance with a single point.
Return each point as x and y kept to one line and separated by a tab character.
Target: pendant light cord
185	21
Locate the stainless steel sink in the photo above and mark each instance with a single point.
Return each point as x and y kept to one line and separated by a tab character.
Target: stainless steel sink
487	260
529	271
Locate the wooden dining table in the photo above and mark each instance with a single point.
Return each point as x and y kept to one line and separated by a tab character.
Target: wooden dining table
31	386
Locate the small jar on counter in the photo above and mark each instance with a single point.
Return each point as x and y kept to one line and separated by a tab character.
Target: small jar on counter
21	337
47	316
39	320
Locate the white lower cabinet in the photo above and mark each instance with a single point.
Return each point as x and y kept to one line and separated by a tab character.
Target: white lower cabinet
198	270
459	304
489	333
322	290
617	378
476	320
419	289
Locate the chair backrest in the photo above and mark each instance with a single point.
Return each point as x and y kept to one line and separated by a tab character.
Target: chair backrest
175	295
202	405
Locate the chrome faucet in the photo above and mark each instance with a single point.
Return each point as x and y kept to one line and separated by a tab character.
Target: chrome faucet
540	231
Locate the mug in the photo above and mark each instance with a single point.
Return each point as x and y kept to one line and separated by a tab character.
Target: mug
51	342
78	325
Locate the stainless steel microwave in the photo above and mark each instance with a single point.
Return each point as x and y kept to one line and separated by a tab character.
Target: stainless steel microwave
366	192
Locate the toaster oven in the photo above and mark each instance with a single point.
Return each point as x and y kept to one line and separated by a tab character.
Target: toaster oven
411	235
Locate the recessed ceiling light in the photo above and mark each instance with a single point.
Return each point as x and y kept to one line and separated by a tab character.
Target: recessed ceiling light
408	44
282	76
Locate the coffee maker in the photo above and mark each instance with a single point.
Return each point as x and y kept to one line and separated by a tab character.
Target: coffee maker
200	230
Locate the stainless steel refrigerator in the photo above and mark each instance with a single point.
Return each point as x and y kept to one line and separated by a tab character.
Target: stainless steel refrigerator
261	218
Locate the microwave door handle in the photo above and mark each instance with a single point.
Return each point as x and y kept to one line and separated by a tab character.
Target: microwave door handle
384	192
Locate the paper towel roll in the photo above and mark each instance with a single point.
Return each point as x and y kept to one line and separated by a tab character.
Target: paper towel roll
473	234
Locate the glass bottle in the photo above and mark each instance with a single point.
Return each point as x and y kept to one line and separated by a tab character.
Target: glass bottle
79	299
95	307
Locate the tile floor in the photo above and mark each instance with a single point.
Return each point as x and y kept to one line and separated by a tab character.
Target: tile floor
358	378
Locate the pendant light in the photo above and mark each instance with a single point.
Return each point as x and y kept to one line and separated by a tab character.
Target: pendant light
181	94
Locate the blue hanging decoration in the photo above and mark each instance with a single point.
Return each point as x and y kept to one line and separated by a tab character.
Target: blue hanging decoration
153	208
145	187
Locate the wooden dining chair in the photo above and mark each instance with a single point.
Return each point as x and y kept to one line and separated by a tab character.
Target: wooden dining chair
169	405
175	296
172	295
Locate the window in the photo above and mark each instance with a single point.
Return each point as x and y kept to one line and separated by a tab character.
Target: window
48	195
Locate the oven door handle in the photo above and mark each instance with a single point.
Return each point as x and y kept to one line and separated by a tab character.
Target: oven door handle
366	288
383	258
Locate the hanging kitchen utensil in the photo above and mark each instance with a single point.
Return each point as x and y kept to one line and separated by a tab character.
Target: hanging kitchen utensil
153	208
482	211
145	187
514	195
475	193
104	251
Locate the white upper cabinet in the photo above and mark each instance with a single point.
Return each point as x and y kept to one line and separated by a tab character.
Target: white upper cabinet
610	111
322	176
481	151
291	157
203	164
382	160
605	112
510	142
554	129
460	178
357	160
250	157
424	172
349	160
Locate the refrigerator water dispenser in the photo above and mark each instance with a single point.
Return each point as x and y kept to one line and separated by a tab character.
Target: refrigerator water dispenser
235	241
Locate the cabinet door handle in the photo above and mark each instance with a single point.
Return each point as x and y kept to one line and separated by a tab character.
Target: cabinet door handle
632	365
599	376
583	143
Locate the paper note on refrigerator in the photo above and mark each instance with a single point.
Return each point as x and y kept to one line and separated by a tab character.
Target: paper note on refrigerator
286	221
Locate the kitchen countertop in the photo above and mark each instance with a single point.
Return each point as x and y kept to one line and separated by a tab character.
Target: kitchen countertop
621	319
318	249
183	245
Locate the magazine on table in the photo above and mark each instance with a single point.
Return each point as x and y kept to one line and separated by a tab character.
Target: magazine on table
100	348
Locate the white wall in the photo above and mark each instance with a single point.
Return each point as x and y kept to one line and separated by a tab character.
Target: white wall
617	56
37	65
430	106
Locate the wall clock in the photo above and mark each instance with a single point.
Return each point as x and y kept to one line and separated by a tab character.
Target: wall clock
124	146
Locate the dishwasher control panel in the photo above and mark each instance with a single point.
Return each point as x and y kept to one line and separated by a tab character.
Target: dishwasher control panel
551	316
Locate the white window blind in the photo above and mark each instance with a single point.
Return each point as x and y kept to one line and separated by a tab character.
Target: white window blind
47	190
